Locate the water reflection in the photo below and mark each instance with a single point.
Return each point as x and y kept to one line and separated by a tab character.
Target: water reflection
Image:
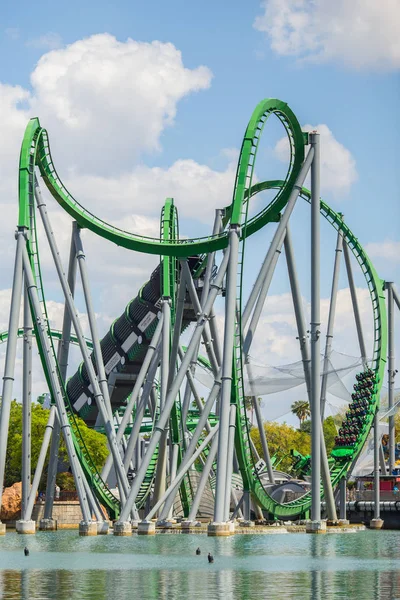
63	566
167	585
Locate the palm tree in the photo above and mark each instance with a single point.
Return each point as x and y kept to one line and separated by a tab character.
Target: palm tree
301	409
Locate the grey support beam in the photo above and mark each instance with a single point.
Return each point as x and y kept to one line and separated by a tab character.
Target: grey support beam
203	480
201	425
264	443
342	498
396	297
331	319
306	359
175	483
215	287
101	374
26	405
97	393
377	441
148	397
391	373
161	473
197	309
54	383
227	361
315	332
9	368
356	310
229	462
62	359
149	364
277	237
40	464
298	310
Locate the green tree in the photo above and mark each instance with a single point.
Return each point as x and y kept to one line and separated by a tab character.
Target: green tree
330	432
94	441
301	409
282	438
329	429
306	426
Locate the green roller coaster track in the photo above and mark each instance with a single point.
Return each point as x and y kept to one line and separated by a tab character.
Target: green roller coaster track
35	151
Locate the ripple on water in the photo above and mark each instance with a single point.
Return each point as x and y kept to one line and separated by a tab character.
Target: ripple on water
63	565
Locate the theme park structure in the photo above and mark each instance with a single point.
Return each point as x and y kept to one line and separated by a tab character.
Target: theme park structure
138	383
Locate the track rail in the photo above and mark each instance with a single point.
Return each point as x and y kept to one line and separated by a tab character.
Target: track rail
36	151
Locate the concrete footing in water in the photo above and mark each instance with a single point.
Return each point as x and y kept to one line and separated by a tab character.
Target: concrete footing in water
2	529
122	528
48	525
376	524
221	529
166	523
247	524
146	528
25	527
102	527
316	527
88	528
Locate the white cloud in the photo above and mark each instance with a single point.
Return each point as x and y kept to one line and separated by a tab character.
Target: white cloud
388	250
107	102
47	41
195	187
338	167
275	341
359	33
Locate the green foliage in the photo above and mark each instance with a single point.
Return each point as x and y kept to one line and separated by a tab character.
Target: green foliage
301	409
306	426
330	433
282	438
40	399
95	443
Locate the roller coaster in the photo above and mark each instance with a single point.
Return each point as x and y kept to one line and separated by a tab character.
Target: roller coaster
137	384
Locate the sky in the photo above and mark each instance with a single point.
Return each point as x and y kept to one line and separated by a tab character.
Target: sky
148	100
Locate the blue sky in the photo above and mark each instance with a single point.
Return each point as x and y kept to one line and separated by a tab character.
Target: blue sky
359	106
336	66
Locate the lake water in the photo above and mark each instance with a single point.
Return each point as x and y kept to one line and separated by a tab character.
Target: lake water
64	566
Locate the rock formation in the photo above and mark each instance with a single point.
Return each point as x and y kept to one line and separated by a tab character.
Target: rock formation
11	503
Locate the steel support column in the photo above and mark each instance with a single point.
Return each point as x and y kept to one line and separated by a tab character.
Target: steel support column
9	368
377	495
55	388
342	498
306	359
391	373
40	464
227	362
62	359
331	319
183	469
229	462
26	405
164	416
161	473
98	396
277	238
203	480
356	310
315	332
